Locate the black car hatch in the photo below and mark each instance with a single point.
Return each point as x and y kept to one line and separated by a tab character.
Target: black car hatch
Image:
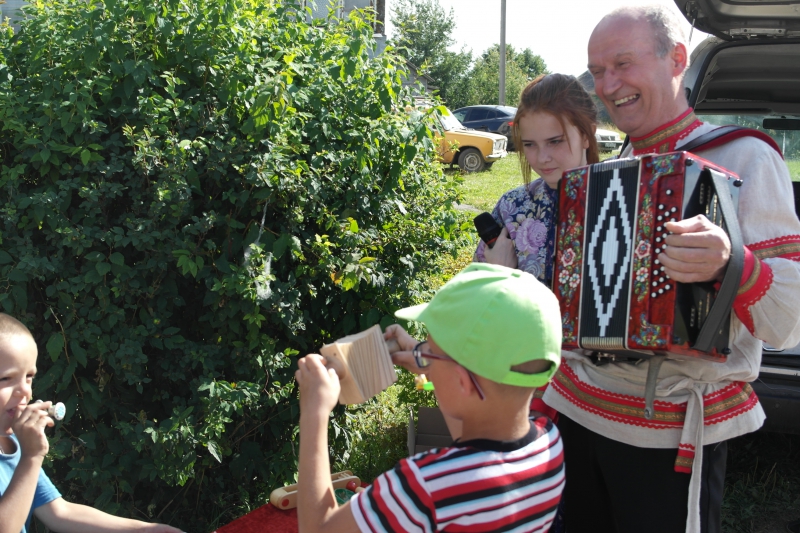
743	19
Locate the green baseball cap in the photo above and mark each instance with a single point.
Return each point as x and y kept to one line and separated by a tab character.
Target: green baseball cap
489	318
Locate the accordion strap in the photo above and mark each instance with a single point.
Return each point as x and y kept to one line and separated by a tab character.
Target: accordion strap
726	134
721	308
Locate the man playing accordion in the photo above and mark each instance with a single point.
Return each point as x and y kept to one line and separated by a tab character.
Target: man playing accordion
628	473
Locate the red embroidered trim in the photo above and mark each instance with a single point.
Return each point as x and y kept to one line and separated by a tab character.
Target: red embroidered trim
786	247
733	400
685	458
747	271
665	138
752	291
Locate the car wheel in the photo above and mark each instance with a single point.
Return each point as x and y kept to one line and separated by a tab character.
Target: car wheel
471	160
488	166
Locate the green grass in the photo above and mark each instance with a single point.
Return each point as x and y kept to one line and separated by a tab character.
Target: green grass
794	169
762	485
482	189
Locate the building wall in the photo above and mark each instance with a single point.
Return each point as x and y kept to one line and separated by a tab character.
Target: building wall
11	9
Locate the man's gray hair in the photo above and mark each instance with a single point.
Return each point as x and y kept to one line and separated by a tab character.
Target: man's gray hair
667	26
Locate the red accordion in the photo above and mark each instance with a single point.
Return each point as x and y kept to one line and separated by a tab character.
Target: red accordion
614	295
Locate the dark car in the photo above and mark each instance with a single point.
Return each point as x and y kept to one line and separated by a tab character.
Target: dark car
491	118
748	73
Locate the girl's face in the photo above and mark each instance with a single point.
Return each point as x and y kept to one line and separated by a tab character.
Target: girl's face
546	146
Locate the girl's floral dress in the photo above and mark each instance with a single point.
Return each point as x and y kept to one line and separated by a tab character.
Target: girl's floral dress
528	214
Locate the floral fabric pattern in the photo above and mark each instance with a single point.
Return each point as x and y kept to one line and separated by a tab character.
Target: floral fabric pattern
528	214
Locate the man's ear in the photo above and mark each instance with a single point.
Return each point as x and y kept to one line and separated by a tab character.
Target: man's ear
680	59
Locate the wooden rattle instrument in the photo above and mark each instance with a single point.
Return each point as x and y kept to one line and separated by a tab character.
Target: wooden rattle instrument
363	363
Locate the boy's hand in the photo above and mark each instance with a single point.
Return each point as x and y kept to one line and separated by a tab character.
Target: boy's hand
28	426
319	386
396	332
407	343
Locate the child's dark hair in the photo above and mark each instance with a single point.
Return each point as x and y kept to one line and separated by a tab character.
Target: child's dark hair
563	97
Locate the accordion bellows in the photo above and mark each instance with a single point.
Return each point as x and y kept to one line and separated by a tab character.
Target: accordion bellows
366	358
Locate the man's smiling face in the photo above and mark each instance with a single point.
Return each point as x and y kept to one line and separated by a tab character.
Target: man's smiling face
640	90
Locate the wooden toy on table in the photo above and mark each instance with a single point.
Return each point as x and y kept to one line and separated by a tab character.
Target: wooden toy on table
286	497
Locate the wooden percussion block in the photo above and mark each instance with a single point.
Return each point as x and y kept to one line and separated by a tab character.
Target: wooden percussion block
363	363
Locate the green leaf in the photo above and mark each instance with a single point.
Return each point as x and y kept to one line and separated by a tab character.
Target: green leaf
86	156
55	345
280	245
213	449
117	259
103	268
5	258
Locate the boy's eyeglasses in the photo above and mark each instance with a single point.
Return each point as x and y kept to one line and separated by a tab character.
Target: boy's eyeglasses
423	360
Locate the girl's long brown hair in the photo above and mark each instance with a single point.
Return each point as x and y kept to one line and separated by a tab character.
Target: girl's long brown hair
563	97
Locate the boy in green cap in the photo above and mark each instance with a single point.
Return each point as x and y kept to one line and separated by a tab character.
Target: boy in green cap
494	335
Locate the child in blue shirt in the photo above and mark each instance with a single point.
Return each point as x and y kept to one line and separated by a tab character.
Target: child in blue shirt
24	488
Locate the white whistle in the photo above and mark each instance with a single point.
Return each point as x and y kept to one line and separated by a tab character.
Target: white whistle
57	410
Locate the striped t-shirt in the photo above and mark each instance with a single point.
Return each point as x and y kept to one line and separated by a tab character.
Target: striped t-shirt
473	486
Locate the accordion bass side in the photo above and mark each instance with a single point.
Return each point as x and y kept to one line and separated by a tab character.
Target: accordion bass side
614	295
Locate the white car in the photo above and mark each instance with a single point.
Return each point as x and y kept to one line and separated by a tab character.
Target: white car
607	140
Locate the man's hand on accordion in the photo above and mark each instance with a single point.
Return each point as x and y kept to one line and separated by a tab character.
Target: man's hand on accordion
697	250
503	252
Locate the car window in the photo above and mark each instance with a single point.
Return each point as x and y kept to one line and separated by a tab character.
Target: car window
506	111
478	114
787	140
490	114
460	115
449	122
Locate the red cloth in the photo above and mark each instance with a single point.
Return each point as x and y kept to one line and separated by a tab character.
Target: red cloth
265	519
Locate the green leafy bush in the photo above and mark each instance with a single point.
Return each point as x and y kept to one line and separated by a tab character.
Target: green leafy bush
195	193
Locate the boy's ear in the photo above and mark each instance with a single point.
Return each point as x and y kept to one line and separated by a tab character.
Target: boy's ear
466	386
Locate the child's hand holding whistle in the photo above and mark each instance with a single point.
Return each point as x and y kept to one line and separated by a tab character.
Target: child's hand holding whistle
56	411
